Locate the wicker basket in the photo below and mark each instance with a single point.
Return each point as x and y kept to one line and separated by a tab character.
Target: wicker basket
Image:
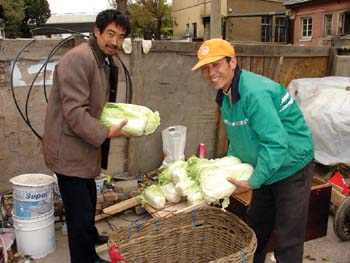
203	235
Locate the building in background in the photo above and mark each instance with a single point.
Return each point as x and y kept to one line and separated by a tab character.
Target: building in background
191	18
242	20
257	20
319	22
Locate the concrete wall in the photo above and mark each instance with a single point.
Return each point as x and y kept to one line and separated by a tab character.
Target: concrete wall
162	80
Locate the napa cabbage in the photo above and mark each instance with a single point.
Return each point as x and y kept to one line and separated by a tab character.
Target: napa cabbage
153	196
141	120
175	173
170	193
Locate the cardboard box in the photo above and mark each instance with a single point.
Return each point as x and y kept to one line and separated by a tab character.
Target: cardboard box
318	209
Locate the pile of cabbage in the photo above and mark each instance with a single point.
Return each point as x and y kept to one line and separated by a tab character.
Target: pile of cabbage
141	120
198	180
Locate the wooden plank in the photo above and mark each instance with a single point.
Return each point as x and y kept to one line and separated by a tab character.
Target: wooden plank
294	68
244	62
245	50
337	196
261	50
123	205
276	73
257	65
270	64
171	209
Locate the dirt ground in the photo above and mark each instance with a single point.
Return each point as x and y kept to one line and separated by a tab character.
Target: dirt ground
326	249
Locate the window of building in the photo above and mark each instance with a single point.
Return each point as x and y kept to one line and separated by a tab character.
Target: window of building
327	27
280	29
306	27
187	33
344	23
266	28
194	30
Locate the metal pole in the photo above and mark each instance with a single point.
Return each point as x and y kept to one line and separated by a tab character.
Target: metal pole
215	19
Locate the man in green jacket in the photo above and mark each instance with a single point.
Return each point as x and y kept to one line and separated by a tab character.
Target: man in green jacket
266	129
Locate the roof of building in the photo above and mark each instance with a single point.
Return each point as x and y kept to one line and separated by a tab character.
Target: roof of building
65	23
293	2
299	3
71	18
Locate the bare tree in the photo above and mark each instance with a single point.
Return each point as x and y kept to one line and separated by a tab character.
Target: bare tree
120	5
112	3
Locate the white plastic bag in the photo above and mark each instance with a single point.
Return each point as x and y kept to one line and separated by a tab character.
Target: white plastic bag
174	142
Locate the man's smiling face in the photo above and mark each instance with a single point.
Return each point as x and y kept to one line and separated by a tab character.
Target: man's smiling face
219	74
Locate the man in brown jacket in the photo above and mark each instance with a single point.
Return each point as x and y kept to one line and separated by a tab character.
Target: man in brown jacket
73	134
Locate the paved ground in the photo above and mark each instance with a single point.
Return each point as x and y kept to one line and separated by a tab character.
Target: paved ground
326	249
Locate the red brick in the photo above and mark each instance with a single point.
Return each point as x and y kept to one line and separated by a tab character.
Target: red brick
110	196
125	186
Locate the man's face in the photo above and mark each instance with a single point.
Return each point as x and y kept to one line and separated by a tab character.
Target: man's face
219	74
111	39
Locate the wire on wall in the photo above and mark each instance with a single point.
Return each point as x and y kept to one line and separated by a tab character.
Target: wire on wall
25	115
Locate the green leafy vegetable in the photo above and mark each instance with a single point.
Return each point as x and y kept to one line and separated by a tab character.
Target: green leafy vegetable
141	120
212	176
153	196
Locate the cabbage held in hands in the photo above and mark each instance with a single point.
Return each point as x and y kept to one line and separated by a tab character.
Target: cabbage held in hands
141	120
212	176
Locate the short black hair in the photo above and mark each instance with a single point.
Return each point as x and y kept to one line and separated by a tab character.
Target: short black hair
104	18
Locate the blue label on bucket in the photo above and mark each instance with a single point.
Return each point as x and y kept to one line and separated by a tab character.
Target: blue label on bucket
31	209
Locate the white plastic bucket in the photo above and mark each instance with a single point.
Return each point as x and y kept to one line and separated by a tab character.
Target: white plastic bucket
35	236
99	183
32	195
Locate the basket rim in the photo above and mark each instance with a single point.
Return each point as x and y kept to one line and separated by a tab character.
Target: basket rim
146	233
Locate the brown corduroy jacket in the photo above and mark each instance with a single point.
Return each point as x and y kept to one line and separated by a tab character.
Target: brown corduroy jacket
73	134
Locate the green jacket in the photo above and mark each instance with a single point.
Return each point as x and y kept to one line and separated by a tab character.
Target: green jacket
265	128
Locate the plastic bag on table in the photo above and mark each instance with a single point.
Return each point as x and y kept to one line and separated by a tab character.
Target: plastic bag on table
174	142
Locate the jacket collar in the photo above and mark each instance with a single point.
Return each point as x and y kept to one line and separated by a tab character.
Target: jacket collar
99	56
235	96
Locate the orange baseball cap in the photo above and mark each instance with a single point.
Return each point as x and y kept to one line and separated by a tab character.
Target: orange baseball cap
213	50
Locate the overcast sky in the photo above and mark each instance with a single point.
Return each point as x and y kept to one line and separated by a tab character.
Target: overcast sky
77	6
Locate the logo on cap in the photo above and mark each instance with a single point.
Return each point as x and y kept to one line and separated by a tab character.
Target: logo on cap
205	50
